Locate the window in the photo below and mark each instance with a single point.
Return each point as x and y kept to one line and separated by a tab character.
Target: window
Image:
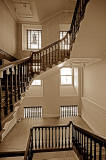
66	76
33	39
62	34
36	83
65	44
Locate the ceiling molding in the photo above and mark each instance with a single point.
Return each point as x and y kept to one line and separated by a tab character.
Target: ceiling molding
54	15
10	9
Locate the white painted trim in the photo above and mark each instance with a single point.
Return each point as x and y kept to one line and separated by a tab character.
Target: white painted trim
91	127
54	15
92	101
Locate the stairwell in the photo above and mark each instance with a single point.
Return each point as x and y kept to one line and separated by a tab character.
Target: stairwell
16	77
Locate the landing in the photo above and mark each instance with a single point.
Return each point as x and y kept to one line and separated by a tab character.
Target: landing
16	140
64	155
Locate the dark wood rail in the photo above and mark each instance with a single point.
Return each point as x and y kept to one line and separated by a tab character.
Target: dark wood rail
66	137
16	76
29	153
88	145
7	56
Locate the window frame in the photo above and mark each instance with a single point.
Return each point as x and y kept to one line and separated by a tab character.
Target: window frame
32	49
37	85
64	46
67	75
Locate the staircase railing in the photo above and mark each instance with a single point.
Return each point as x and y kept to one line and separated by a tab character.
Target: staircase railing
15	77
7	56
66	137
60	49
88	145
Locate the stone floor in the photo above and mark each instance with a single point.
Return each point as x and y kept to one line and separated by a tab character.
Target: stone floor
17	138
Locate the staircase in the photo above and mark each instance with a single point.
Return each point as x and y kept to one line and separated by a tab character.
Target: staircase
17	76
87	145
6	56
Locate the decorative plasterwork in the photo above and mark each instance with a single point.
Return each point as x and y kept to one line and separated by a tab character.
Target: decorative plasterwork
23	8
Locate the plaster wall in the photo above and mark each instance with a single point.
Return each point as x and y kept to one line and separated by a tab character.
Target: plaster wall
94	97
8	31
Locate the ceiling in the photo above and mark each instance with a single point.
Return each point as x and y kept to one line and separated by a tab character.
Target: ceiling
38	10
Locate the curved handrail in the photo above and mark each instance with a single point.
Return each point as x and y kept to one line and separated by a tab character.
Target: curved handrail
52	44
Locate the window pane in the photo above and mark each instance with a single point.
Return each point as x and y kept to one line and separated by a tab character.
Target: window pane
66	44
34	39
66	80
36	82
66	71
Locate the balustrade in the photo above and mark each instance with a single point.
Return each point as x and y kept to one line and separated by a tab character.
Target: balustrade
68	111
17	75
14	78
55	138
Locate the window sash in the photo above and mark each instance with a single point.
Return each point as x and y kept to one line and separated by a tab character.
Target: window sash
36	83
30	39
66	80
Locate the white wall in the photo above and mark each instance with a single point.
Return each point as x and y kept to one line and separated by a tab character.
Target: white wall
91	38
8	30
51	99
94	97
76	79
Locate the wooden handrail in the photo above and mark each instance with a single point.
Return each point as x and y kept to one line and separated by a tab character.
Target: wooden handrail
53	126
7	56
11	64
90	134
52	145
28	145
52	44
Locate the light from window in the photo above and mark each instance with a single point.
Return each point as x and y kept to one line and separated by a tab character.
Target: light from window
34	39
66	76
65	44
62	34
36	83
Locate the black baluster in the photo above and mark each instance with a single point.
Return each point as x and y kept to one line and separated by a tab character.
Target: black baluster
62	137
35	138
82	143
52	136
69	136
59	137
49	137
55	136
39	138
46	137
94	150
90	149
87	146
100	151
42	138
65	137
